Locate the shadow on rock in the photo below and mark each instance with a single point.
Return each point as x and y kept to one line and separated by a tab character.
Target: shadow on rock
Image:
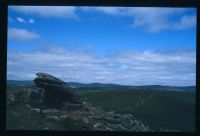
55	91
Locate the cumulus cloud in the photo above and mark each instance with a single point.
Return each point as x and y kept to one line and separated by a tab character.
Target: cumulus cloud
151	19
122	11
21	34
128	67
46	11
185	22
158	19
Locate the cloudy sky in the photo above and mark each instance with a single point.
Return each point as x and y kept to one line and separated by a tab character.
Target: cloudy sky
129	46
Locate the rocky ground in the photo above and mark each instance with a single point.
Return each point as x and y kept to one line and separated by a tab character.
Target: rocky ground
95	118
54	100
88	115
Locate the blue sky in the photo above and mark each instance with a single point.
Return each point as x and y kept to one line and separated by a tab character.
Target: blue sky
124	45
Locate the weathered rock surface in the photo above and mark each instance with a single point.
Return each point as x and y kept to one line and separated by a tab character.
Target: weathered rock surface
96	118
56	92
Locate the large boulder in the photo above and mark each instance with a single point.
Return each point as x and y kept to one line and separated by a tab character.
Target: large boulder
56	92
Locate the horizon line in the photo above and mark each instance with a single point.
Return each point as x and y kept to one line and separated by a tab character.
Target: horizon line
113	83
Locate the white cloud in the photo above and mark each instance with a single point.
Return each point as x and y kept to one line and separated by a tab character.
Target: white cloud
46	11
130	67
157	19
185	22
31	21
21	20
152	19
21	34
109	10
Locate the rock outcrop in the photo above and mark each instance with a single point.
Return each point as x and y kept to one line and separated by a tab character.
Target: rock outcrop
93	118
55	91
63	107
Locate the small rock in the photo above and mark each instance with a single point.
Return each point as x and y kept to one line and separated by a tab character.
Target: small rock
50	111
50	117
46	128
85	120
63	116
111	112
35	109
109	129
96	125
27	105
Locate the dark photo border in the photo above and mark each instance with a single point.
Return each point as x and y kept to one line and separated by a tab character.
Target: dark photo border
134	3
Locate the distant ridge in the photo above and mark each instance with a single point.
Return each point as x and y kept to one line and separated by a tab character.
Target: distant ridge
20	83
168	88
101	86
145	87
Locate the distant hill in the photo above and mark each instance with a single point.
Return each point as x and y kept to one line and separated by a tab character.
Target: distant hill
101	86
20	83
96	86
167	88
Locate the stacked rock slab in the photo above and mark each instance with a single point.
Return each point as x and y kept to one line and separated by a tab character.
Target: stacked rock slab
56	92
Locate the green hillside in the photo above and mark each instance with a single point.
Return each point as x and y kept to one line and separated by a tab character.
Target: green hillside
161	110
